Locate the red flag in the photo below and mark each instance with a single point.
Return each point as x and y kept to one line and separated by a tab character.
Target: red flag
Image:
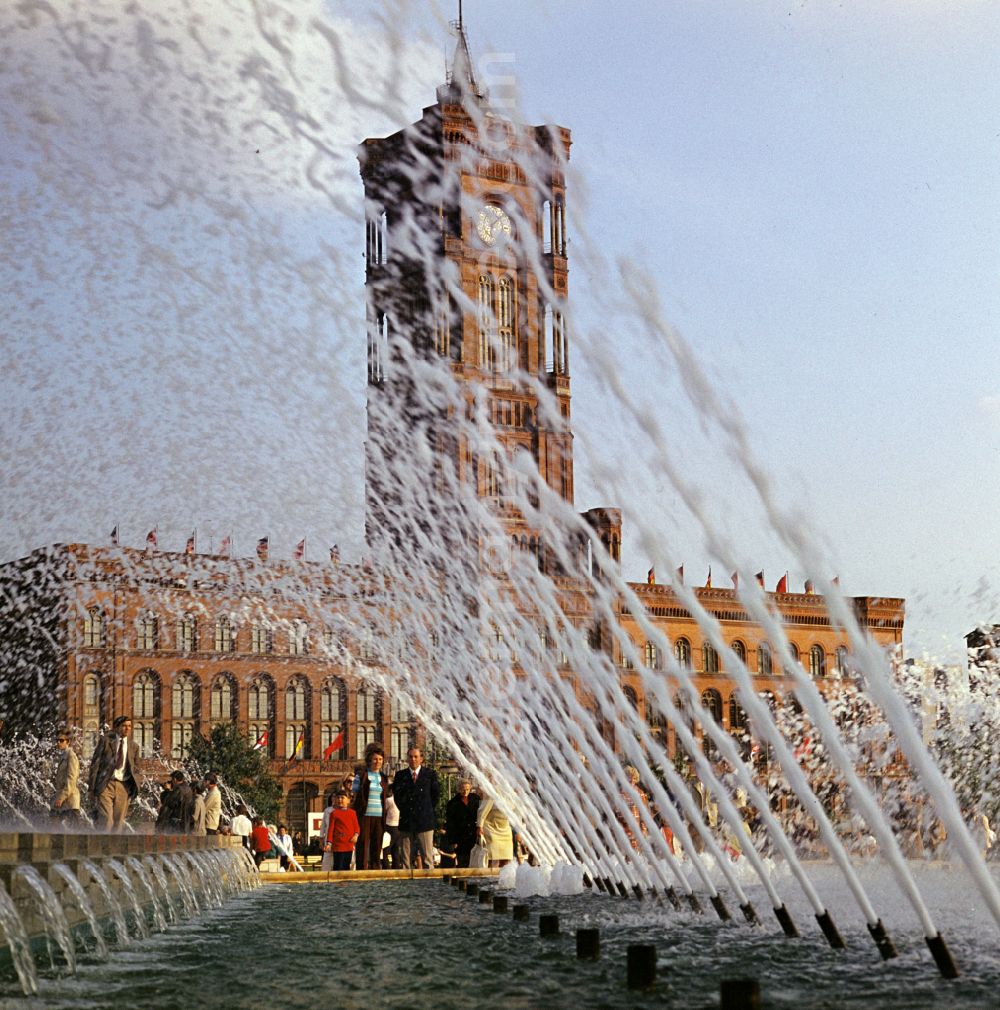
651	576
760	578
262	546
300	549
189	546
335	744
708	580
261	741
151	538
680	575
226	546
114	536
782	586
335	555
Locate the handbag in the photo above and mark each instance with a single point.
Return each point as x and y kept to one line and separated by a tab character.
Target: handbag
479	858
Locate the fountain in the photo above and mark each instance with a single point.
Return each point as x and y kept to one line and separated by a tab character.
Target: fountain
485	604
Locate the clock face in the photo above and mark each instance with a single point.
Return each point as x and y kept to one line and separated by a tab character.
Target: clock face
493	224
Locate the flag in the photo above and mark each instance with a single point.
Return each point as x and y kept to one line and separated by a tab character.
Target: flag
151	538
114	536
736	580
680	575
297	753
809	587
335	555
261	741
300	549
262	545
651	576
760	578
782	586
189	546
226	546
708	579
335	744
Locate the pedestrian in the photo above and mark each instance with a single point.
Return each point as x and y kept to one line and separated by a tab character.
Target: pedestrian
198	817
460	822
283	843
114	776
213	804
390	853
494	830
176	815
369	806
66	801
342	833
416	790
260	840
241	826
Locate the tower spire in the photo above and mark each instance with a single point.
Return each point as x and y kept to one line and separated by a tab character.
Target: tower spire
462	78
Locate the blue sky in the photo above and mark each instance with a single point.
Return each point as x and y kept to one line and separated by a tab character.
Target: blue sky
812	187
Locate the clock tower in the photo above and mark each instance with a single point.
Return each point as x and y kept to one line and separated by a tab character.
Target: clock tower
466	288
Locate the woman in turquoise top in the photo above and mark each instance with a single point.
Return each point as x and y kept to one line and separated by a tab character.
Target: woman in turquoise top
369	805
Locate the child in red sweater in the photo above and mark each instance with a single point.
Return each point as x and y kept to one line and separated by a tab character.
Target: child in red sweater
343	833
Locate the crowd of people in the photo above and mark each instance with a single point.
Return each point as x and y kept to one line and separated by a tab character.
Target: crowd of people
372	823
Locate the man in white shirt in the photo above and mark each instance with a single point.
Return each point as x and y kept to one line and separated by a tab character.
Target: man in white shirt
241	826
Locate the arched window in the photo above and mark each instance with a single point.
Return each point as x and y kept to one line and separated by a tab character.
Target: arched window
627	649
146	711
222	707
378	348
369	729
403	732
260	711
296	699
147	632
297	718
187	634
93	712
712	702
710	659
556	348
224	637
764	661
298	638
741	651
656	721
93	628
817	662
333	716
794	650
184	711
559	228
841	661
546	226
507	324
631	697
261	638
651	657
487	322
737	717
738	726
682	652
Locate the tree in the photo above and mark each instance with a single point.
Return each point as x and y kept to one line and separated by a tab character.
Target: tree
243	772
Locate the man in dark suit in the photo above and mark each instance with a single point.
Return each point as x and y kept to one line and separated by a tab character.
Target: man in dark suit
416	790
177	807
114	776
